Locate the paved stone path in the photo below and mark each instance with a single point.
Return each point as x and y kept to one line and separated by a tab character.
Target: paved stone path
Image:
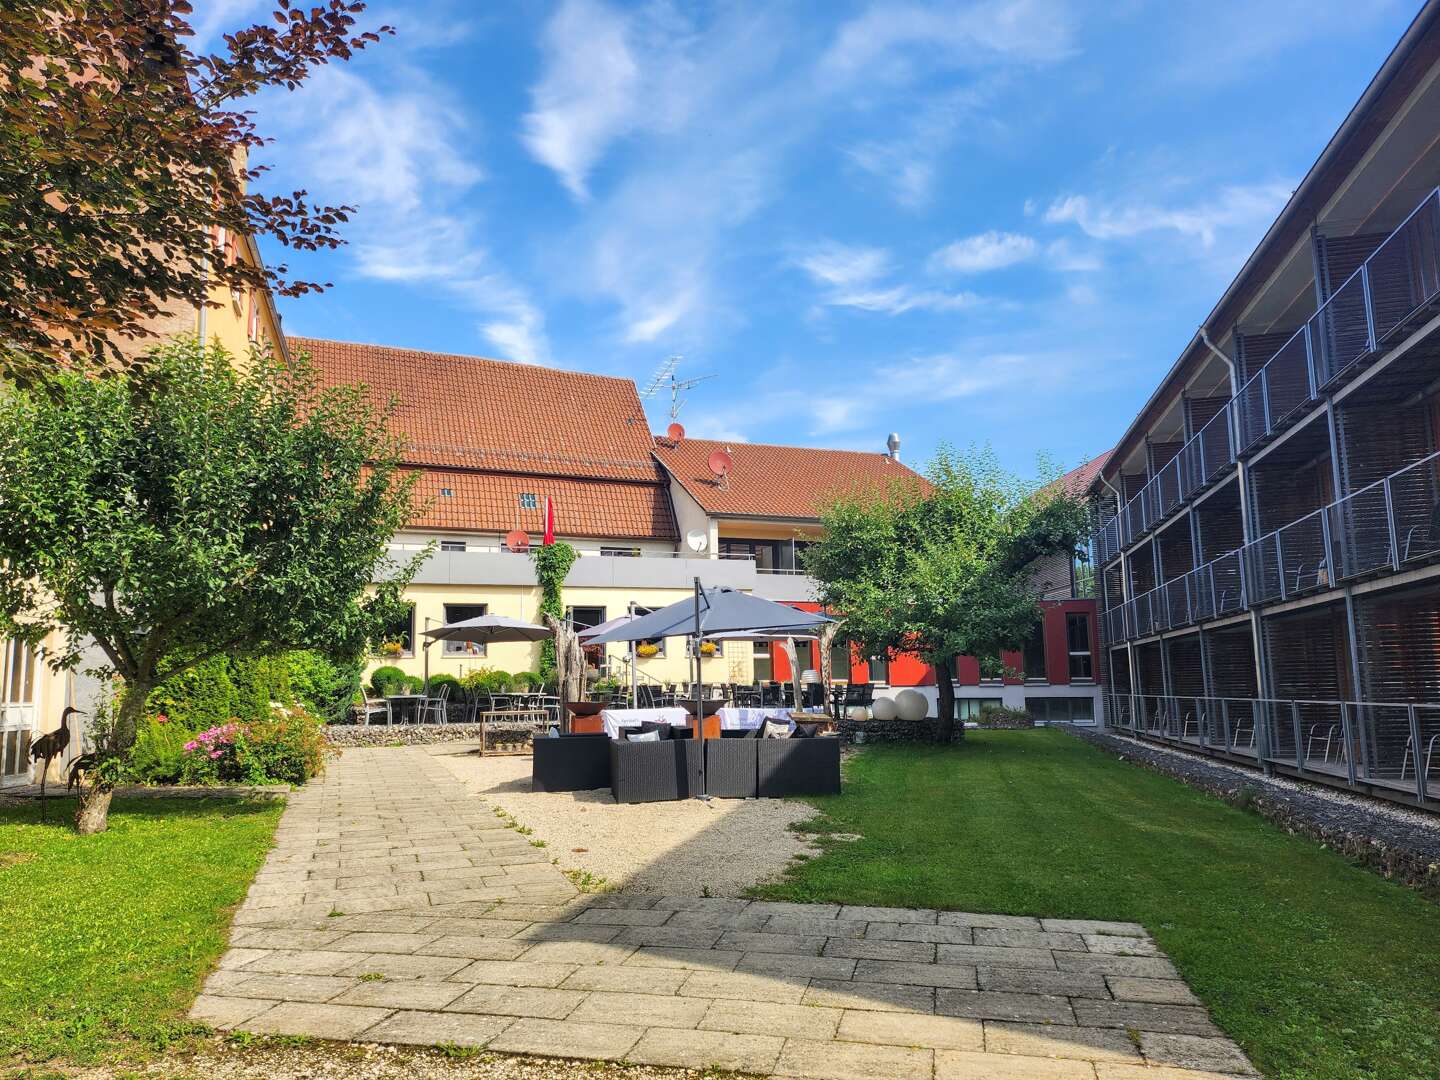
397	908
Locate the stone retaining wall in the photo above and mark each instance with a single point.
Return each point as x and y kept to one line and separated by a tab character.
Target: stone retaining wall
343	735
1383	842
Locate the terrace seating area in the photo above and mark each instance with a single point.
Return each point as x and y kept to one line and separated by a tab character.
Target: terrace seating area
661	759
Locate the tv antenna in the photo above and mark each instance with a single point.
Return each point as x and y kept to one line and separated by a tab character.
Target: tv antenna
664	378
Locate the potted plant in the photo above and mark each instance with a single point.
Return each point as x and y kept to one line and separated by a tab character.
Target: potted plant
647	649
708	648
392	648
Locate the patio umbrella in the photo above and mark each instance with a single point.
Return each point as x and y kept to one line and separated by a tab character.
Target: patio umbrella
482	630
713	611
611	624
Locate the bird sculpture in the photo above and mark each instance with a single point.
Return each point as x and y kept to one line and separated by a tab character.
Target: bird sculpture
50	747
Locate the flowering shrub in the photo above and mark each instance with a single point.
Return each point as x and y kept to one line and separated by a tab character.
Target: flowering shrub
288	748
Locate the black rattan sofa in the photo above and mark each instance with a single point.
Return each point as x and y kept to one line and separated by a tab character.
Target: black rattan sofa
571	763
654	771
797	767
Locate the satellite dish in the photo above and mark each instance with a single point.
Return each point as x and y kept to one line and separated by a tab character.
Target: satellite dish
720	462
517	540
697	540
675	432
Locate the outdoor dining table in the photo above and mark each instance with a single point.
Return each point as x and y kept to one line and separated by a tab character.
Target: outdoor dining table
741	718
398	704
615	719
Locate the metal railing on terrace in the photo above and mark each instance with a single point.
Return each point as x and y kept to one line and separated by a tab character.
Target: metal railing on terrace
1382	528
1368	313
1395	746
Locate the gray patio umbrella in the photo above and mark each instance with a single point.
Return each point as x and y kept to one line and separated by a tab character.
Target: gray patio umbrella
713	611
482	630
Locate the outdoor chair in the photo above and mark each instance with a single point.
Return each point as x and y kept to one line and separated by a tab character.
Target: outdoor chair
1312	579
853	694
1427	537
1325	735
1191	722
374	707
574	762
434	705
1407	761
654	771
797	767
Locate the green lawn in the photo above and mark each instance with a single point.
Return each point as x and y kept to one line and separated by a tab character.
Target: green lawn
104	939
1317	968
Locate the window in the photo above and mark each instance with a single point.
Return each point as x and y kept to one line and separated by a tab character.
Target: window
840	660
452	545
1077	641
584	618
620	552
458	613
719	649
400	633
769	555
969	708
764	662
992	669
879	669
1061	710
658	642
1033	655
447	492
529	501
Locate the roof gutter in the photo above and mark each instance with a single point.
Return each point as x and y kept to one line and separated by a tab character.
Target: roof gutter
1417	29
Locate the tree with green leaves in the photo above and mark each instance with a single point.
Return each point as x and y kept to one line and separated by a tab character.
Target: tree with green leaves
195	508
125	151
942	570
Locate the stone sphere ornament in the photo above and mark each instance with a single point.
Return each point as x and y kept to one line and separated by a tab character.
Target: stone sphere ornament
858	713
911	705
884	709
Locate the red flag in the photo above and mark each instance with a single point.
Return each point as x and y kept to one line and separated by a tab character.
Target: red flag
549	521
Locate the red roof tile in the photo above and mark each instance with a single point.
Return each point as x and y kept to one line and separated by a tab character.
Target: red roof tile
1077	481
498	416
490	502
791	482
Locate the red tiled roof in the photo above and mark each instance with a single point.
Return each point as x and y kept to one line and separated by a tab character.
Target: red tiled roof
490	502
1077	481
791	482
497	416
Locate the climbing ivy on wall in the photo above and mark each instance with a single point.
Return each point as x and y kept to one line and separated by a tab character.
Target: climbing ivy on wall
552	563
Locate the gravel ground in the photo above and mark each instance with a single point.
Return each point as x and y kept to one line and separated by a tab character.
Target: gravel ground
285	1059
689	848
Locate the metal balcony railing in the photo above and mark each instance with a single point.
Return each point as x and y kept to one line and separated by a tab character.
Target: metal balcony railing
1390	745
1381	528
1202	462
1366	314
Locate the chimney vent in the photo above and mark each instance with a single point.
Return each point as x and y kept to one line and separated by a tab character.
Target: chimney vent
892	444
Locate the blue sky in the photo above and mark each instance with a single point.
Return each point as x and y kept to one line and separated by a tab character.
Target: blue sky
973	222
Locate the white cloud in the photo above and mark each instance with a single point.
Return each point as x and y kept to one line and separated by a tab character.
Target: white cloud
401	155
588	94
883	42
844	266
987	251
854	277
1234	207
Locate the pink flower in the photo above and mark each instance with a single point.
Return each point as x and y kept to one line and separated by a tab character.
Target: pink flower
214	754
191	745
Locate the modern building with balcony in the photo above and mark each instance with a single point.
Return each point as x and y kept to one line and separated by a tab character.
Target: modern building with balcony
1267	549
